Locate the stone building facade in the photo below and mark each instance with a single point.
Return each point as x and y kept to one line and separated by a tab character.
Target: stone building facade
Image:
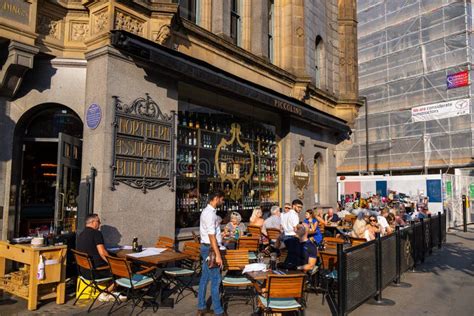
290	65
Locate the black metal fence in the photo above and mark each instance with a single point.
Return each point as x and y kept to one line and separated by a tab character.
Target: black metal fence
365	270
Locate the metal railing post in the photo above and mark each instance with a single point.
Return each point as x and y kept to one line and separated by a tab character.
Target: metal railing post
379	300
430	238
413	242
440	230
341	300
422	220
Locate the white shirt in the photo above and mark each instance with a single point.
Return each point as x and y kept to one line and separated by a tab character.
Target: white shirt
208	224
383	224
288	222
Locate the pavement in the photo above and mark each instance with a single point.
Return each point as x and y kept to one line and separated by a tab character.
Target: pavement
442	285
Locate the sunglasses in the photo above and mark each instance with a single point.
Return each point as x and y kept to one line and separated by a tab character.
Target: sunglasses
372	220
287	208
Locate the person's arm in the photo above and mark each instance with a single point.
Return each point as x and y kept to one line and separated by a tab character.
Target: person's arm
309	266
99	243
215	247
102	251
295	220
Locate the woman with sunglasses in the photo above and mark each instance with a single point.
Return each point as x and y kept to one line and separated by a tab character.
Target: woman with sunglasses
373	226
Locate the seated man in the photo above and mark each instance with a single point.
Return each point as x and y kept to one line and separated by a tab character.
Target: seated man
308	250
91	241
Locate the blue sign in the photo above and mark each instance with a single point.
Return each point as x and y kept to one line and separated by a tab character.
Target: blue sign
434	190
93	116
381	188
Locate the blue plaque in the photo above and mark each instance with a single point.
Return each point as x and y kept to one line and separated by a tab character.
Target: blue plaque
93	116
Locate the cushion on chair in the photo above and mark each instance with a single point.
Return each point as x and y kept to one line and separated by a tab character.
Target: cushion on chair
178	271
137	281
96	280
280	303
252	255
236	281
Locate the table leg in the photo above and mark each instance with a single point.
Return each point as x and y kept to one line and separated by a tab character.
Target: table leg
33	286
2	271
61	289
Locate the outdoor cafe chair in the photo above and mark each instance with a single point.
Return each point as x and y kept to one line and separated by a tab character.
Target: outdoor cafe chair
357	241
331	242
328	272
84	263
283	293
185	275
255	231
250	244
165	242
233	283
137	285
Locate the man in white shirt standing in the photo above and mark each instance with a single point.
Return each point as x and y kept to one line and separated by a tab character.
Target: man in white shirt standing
289	221
208	228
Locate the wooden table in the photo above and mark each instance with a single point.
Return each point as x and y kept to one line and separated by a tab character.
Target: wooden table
262	276
54	274
165	257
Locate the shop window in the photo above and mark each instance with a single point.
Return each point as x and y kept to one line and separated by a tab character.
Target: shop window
235	22
319	63
219	151
271	4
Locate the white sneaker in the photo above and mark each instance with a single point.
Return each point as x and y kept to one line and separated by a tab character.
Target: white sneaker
120	297
104	297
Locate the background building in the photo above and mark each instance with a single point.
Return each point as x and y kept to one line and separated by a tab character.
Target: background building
407	51
103	101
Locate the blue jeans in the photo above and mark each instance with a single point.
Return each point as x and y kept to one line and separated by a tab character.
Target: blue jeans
213	275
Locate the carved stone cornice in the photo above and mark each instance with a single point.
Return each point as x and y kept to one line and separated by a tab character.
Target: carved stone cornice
19	61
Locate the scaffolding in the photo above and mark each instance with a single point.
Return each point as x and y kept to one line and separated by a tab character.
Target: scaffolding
406	50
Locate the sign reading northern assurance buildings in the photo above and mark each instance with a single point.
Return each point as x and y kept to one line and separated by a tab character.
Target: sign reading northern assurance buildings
143	146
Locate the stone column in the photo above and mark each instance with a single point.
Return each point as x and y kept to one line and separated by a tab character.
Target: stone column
205	12
292	39
348	75
126	212
259	28
221	18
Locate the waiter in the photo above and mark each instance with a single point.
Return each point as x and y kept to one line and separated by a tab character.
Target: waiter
208	228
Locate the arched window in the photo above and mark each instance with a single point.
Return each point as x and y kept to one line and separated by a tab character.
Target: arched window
317	177
319	63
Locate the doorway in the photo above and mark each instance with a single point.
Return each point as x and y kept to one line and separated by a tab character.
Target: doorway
47	170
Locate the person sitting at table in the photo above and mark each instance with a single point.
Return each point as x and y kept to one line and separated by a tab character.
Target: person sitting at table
319	215
359	229
308	252
257	217
391	223
91	241
382	220
314	234
373	227
235	225
331	218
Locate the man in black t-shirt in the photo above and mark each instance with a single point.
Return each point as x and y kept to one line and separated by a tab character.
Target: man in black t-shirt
91	241
308	250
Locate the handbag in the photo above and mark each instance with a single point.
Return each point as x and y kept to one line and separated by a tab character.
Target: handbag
211	259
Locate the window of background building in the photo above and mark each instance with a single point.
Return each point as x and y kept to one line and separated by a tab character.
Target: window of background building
189	10
319	62
270	28
235	21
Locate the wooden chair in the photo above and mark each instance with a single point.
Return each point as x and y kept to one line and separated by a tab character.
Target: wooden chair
328	273
136	284
234	283
331	242
184	276
255	231
89	276
350	219
165	242
357	241
273	234
283	293
250	244
196	237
